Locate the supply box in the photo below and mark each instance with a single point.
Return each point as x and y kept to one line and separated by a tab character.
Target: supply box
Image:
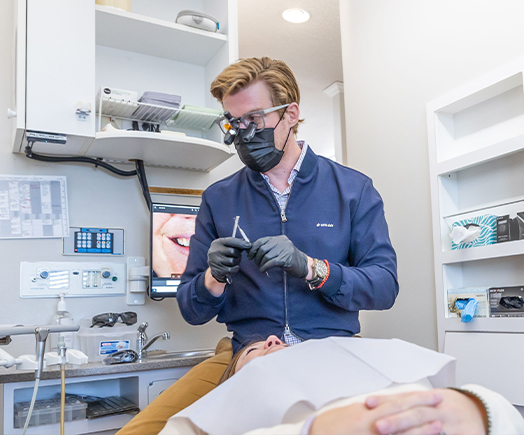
99	342
47	411
506	301
486	234
478	293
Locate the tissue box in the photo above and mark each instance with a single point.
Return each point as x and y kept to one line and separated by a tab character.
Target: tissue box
488	231
510	228
478	293
506	301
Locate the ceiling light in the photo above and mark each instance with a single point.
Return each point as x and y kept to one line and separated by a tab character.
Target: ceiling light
295	15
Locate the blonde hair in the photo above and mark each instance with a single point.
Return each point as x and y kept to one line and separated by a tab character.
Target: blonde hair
279	78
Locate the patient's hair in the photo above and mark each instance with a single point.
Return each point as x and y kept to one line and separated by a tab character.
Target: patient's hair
231	367
279	78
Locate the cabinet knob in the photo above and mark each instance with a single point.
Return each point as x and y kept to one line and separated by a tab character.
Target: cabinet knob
11	113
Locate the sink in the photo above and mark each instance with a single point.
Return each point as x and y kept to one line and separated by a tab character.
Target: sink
154	355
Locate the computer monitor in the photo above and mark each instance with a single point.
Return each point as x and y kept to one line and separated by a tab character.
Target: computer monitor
172	226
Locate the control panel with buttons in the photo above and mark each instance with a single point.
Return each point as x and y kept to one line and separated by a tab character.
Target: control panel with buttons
49	279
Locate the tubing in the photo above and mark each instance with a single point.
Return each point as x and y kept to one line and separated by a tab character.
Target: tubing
62	398
37	381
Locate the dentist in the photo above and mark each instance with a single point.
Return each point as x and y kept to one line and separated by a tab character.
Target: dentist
320	248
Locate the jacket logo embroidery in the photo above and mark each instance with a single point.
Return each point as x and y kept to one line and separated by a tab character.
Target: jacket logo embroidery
325	225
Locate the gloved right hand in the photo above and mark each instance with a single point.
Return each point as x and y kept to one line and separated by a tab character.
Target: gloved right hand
224	255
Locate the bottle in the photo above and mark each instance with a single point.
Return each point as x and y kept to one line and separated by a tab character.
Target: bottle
62	317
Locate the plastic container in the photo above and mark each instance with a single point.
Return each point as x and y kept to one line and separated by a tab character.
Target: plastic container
97	343
47	411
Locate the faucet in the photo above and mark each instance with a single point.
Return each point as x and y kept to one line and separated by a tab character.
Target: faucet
142	343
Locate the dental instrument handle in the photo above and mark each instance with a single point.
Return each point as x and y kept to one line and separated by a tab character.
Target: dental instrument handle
41	337
243	234
235	227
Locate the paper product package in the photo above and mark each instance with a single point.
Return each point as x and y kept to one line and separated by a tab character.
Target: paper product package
478	231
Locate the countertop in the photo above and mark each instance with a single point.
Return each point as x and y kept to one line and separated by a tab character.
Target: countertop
99	368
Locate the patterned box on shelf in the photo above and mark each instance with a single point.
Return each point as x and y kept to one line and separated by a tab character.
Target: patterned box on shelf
488	231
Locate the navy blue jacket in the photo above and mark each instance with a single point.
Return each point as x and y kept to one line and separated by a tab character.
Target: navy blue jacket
333	213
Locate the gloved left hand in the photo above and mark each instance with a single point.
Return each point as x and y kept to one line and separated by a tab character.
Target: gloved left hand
278	251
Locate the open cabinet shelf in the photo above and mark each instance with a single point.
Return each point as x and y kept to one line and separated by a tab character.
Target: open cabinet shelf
160	149
124	30
497	250
88	47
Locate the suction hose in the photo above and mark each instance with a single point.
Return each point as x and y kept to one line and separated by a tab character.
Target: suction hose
41	337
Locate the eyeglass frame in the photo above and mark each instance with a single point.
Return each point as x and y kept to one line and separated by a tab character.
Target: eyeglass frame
241	120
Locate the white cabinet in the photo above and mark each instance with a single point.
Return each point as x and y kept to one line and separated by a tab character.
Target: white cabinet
134	386
75	48
56	63
476	150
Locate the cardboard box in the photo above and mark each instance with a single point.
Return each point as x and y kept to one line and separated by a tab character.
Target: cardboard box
510	228
506	301
478	293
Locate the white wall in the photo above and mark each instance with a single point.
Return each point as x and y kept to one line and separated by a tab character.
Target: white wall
397	56
96	199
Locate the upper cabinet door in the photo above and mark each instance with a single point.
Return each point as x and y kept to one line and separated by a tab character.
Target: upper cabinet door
61	69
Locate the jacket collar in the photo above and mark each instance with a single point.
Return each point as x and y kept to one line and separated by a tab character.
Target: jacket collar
308	164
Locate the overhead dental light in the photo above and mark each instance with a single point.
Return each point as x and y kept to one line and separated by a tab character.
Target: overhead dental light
295	15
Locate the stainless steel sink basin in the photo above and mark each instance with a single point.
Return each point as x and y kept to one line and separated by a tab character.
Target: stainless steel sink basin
155	355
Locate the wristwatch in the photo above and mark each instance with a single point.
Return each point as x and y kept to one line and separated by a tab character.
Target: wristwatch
320	274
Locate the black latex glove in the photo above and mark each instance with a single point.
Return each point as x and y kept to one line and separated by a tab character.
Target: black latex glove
278	251
223	256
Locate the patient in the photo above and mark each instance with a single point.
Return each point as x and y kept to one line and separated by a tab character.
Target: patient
410	407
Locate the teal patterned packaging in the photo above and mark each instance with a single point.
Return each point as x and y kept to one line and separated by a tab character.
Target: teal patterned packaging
485	234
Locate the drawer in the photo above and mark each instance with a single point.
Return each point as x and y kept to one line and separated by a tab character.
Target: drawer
493	360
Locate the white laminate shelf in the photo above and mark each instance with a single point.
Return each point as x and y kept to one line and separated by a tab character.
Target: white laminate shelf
158	149
124	30
480	156
485	324
496	250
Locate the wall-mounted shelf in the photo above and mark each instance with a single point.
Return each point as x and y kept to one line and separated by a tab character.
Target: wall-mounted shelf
484	324
106	46
160	149
494	151
497	250
117	28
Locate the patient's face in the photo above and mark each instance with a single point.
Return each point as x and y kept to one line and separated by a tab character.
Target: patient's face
260	348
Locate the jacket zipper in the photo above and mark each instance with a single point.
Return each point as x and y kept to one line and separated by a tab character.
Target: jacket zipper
283	219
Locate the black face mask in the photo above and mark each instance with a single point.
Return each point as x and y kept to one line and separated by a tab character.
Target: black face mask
257	151
260	153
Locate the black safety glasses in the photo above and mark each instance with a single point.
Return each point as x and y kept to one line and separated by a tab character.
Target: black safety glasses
109	319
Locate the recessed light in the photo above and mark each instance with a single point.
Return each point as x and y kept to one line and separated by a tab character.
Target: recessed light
295	15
